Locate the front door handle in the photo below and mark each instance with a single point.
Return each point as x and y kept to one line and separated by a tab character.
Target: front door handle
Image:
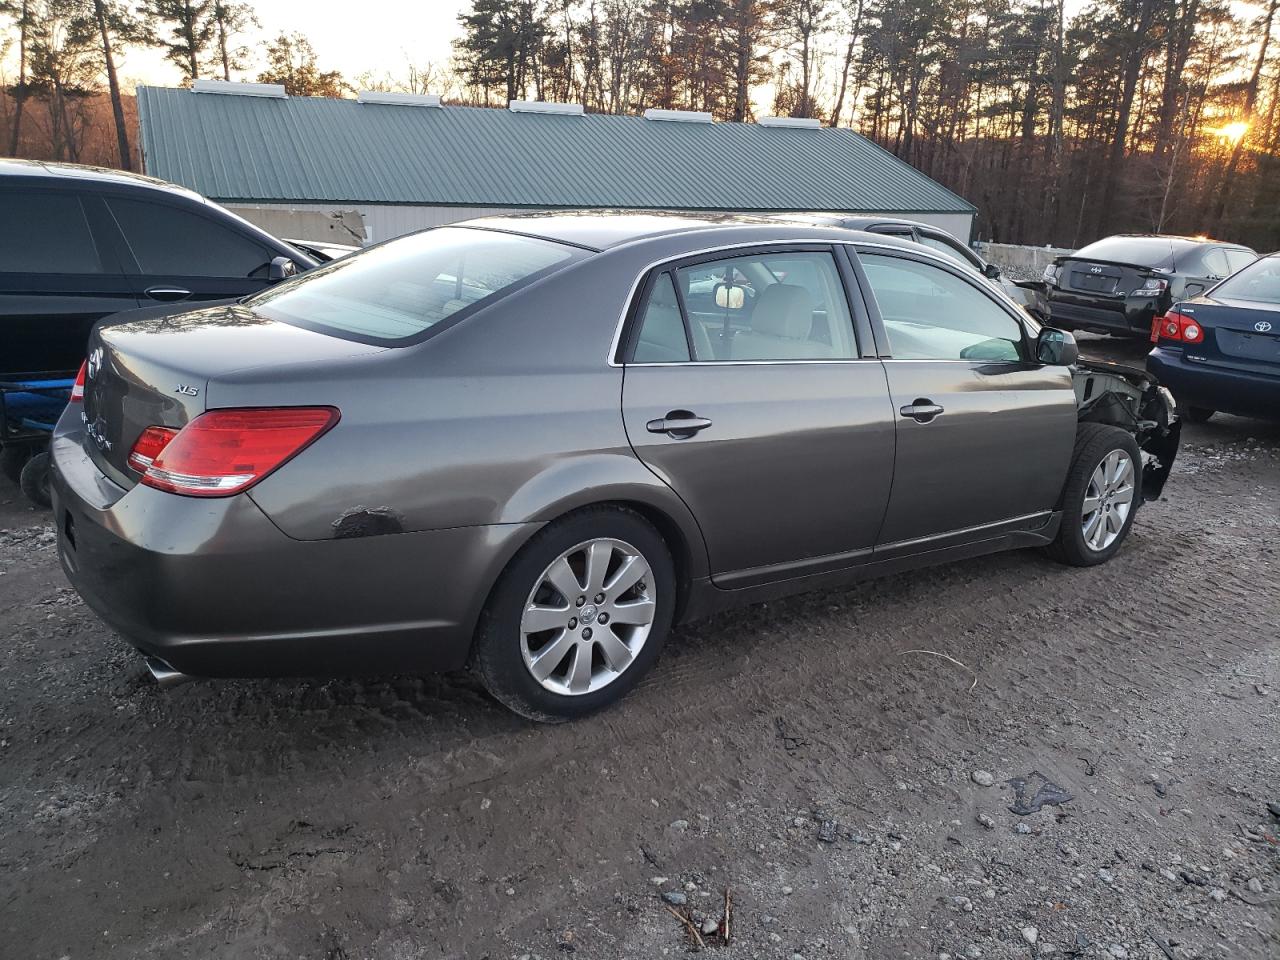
922	411
678	424
167	294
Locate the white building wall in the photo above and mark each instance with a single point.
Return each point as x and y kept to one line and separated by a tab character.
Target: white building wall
383	221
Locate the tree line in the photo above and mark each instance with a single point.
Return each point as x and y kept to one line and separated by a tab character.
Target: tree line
1139	115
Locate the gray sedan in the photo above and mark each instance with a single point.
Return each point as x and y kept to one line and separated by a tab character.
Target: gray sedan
531	445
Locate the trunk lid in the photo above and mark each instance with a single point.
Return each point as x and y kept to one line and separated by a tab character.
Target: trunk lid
1104	278
1243	333
154	368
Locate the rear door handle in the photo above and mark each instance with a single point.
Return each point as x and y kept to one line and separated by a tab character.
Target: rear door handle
922	411
167	294
678	424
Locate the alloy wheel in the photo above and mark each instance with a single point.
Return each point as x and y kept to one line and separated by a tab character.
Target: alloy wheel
587	617
1108	500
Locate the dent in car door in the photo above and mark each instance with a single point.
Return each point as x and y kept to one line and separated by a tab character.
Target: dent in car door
786	464
984	435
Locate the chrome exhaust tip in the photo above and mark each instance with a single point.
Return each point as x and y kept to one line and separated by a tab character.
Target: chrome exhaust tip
165	676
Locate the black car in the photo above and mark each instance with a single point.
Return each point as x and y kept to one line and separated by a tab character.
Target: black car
1026	295
1119	284
83	242
1221	351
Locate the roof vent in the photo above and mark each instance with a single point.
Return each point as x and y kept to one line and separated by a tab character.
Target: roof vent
399	99
682	116
542	106
275	90
808	123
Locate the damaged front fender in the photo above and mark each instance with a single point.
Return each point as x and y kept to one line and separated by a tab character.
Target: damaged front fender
1132	399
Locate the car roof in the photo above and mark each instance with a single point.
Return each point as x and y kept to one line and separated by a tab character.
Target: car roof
50	170
604	229
1175	238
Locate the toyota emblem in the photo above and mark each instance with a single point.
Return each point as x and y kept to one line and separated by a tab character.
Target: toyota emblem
94	363
1263	326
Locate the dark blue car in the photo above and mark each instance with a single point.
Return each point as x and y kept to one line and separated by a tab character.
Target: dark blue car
1221	351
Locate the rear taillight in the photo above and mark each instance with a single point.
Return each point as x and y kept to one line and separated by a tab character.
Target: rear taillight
77	388
222	452
1176	327
150	443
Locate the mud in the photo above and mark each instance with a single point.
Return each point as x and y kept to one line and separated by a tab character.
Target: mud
795	753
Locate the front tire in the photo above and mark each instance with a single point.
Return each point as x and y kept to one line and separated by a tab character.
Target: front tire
1101	496
578	617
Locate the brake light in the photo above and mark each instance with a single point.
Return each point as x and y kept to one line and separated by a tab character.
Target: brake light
148	447
223	452
77	388
1177	327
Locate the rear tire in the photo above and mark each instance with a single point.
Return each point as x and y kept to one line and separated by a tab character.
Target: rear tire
12	459
1197	414
615	565
34	480
1101	496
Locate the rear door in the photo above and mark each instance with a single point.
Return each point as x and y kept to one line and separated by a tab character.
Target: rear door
57	276
184	254
984	435
763	409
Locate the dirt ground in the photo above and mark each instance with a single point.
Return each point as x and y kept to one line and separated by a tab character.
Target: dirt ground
803	755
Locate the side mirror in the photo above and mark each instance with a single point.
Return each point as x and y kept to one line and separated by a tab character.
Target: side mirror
282	268
991	271
730	297
1056	347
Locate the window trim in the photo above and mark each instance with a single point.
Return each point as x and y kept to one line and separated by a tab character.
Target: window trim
628	330
956	270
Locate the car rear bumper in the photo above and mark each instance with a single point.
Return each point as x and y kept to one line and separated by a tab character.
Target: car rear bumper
213	588
1216	387
1131	317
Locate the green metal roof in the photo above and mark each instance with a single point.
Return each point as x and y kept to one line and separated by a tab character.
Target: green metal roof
242	148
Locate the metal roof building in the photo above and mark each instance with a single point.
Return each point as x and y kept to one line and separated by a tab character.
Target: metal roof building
396	163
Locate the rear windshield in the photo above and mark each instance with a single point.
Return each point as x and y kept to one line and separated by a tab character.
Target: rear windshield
1148	252
1260	281
398	291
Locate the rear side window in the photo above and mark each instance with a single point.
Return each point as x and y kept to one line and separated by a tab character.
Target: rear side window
947	250
1139	251
1239	259
1260	282
662	335
1215	263
168	241
397	291
931	314
46	233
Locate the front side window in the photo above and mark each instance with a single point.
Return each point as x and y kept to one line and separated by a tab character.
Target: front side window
931	314
46	233
169	241
777	306
1259	282
399	290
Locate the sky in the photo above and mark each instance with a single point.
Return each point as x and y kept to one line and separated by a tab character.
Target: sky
379	36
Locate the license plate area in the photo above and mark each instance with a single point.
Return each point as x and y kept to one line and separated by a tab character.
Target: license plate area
1102	282
1249	346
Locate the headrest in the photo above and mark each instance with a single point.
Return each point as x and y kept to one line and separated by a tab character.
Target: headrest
783	310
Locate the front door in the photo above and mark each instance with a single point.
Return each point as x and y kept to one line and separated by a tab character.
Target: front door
184	256
985	433
746	392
